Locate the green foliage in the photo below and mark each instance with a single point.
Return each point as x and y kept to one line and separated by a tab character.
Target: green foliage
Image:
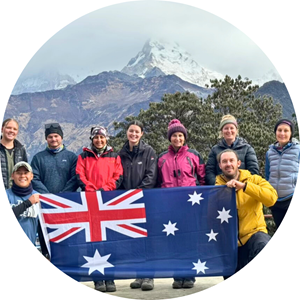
256	118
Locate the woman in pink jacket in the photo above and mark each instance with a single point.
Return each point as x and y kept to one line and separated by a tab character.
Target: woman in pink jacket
180	166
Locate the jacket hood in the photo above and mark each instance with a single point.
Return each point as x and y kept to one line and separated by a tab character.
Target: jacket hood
244	175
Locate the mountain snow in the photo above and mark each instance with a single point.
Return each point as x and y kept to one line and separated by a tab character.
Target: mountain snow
43	81
269	76
170	59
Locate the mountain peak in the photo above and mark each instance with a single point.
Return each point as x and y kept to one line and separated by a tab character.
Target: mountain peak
170	59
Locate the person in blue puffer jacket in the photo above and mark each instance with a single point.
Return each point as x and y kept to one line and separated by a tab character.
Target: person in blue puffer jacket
282	165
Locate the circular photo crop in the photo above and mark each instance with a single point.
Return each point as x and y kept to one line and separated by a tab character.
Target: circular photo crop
149	150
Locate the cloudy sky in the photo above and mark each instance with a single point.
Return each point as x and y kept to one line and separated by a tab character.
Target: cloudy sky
108	38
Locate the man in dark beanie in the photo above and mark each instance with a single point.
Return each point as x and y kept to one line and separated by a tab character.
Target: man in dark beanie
54	167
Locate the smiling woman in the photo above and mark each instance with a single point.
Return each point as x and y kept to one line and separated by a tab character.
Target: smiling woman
229	139
11	150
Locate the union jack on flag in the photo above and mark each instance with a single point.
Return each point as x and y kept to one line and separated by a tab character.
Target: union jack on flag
93	216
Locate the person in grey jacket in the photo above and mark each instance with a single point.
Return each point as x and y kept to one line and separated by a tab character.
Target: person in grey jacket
282	166
229	140
11	150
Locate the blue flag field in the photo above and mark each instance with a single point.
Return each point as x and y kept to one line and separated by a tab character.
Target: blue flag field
162	233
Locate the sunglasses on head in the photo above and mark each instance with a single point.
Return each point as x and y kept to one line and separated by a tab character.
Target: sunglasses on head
54	125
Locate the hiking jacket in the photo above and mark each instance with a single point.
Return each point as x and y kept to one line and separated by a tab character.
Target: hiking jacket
139	167
182	168
19	155
282	169
249	202
28	218
246	155
104	172
54	172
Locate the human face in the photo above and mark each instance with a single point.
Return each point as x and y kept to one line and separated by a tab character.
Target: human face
229	165
22	177
283	134
229	132
134	134
177	140
99	141
10	131
54	140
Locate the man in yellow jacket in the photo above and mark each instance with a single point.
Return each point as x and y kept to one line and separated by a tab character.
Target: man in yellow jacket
252	191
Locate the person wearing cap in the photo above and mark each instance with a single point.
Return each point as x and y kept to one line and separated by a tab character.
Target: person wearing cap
99	168
229	139
180	166
54	167
139	163
11	150
282	167
22	198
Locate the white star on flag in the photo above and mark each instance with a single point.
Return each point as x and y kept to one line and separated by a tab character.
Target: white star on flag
195	198
97	263
170	228
212	235
224	215
200	267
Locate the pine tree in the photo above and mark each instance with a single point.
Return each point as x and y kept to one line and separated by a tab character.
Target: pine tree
256	117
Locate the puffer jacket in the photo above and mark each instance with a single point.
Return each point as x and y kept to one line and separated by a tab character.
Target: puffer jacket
139	169
182	168
246	155
104	172
19	155
250	202
282	168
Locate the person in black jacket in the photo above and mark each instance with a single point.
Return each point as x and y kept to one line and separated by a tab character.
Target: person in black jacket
229	140
139	163
11	150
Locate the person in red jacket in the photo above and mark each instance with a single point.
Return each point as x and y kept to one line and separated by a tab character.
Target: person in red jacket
99	168
180	166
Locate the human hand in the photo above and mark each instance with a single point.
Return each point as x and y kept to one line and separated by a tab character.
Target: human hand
35	198
233	183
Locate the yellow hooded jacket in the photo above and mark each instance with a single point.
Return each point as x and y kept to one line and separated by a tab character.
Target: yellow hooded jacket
250	202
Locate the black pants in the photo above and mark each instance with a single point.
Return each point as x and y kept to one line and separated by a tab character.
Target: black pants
279	210
248	251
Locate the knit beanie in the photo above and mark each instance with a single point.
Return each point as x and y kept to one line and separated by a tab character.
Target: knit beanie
99	130
176	126
53	128
228	121
287	122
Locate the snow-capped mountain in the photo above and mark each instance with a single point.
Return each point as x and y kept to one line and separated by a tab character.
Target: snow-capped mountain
164	58
269	76
43	81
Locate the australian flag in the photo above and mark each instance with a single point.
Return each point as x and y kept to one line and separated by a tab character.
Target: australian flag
171	232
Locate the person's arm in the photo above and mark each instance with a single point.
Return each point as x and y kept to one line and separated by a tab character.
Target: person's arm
72	183
150	176
267	167
82	181
19	209
251	162
117	178
37	183
200	169
210	169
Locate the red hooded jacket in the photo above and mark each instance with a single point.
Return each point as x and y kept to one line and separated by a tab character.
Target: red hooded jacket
104	172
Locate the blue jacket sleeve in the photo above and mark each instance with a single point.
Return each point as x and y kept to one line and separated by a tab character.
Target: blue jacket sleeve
267	167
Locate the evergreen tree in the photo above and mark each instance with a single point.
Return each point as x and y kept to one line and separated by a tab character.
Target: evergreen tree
256	117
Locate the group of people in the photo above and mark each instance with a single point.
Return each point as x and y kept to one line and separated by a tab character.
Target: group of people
231	162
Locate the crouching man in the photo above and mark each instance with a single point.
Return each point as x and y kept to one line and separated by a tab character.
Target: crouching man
252	191
23	198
